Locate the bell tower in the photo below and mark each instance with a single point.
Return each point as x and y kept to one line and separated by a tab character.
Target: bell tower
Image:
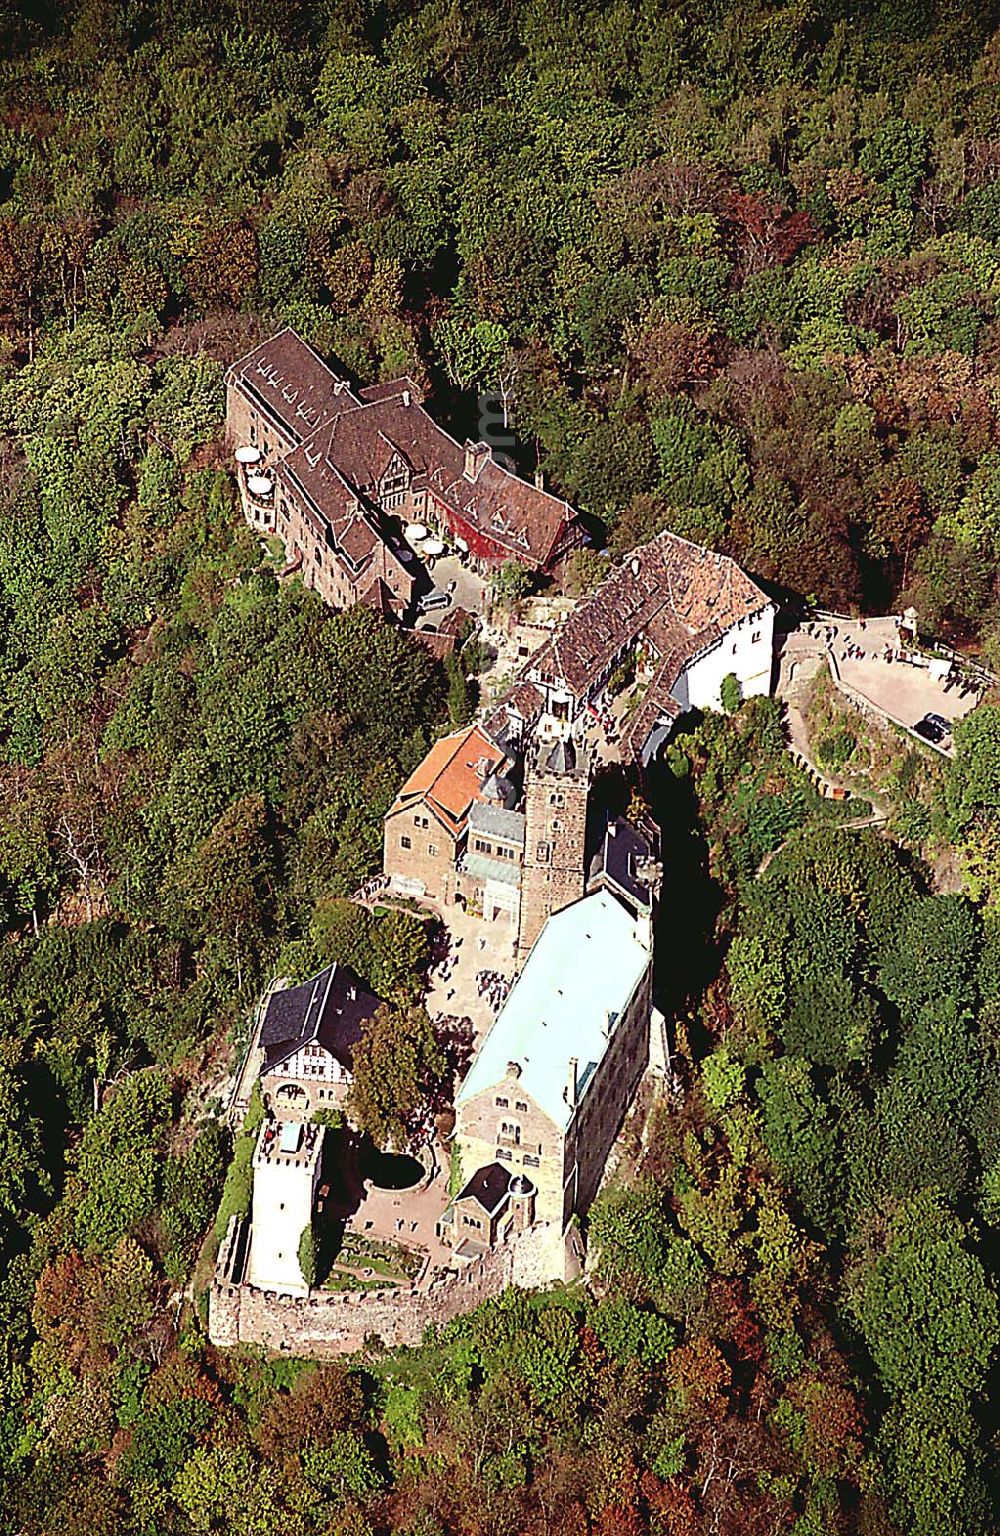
556	791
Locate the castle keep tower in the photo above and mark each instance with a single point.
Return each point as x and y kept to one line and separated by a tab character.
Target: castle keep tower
556	788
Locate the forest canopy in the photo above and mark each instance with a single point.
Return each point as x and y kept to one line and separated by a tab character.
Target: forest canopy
728	269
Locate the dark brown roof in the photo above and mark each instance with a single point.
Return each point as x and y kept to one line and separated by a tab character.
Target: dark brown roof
680	595
358	540
379	597
293	382
358	443
517	711
345	444
434	641
454	621
488	1186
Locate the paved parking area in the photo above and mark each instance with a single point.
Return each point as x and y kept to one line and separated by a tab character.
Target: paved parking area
470	589
861	652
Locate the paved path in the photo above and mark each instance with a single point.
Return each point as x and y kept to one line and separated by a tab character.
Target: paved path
454	991
801	657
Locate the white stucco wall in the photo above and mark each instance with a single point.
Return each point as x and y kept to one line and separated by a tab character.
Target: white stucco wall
284	1192
739	652
314	1065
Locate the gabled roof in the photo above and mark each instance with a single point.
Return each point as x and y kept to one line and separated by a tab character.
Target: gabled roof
451	776
576	983
516	712
680	596
379	597
330	1009
293	382
618	860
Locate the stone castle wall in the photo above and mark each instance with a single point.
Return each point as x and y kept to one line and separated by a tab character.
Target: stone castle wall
326	1324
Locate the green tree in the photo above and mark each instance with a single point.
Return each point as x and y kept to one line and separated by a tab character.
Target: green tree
399	1071
511	582
307	1255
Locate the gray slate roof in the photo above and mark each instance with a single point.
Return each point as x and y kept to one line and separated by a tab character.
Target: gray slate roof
617	858
330	1009
494	821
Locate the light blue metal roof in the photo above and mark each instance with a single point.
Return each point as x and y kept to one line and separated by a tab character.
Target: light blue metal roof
577	981
480	867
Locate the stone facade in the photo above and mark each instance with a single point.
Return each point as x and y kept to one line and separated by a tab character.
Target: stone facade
420	853
326	1324
504	1124
338	473
556	793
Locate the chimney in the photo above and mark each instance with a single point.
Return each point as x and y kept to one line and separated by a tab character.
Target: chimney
571	1082
406	397
476	455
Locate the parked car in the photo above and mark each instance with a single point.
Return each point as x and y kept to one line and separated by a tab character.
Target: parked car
432	600
929	731
940	722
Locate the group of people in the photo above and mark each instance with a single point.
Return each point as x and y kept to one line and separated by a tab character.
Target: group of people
371	888
447	963
493	987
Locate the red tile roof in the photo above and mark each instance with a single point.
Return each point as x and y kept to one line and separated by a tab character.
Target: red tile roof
451	776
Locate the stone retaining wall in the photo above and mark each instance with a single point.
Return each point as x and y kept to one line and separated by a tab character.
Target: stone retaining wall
328	1323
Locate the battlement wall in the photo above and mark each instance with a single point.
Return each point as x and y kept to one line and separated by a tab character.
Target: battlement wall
329	1323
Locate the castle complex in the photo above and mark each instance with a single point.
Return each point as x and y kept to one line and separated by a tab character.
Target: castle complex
499	821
